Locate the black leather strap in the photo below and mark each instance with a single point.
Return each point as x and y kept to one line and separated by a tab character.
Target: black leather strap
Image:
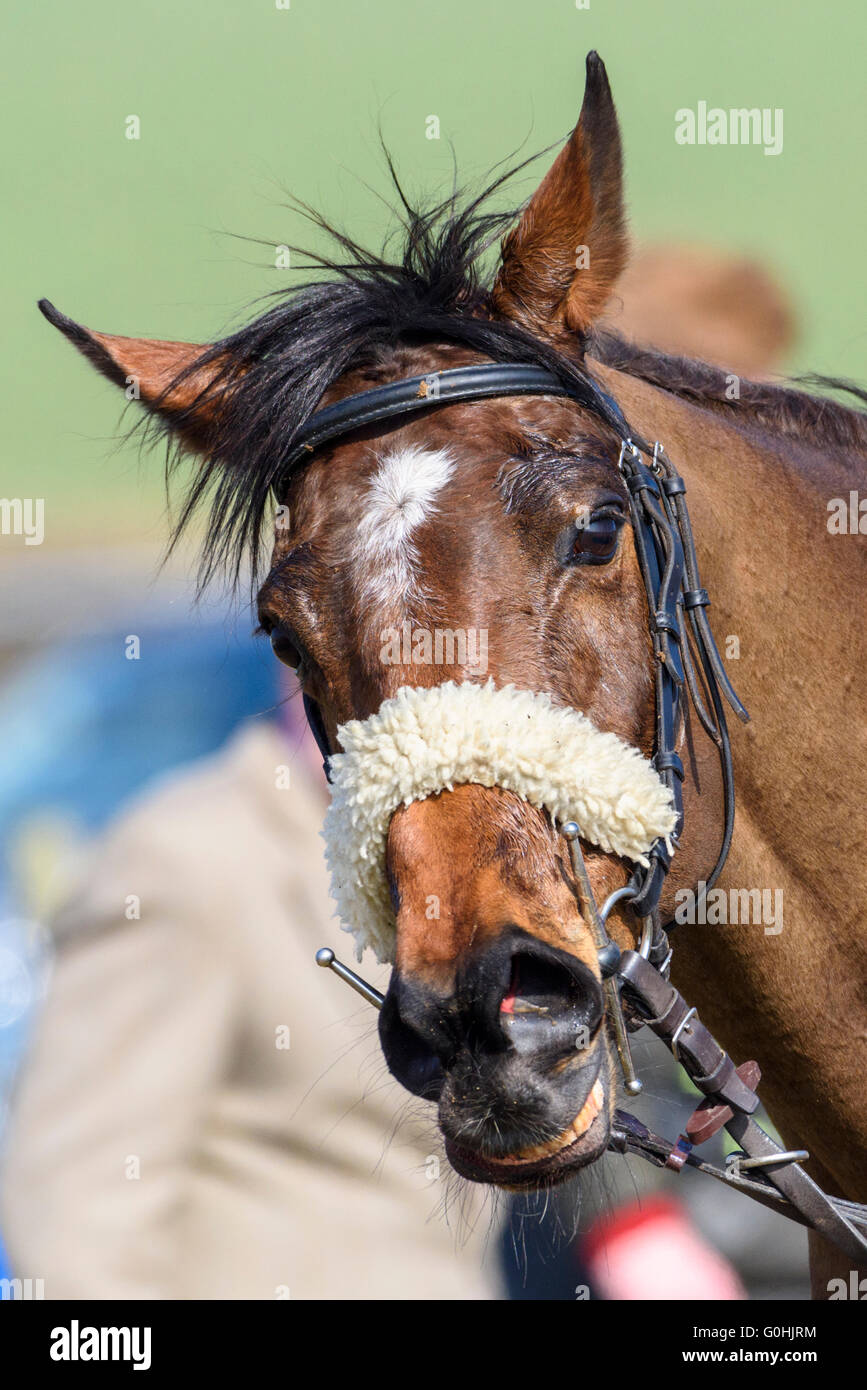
677	602
629	1135
317	729
416	393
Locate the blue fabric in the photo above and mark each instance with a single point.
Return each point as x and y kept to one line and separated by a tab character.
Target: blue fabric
82	729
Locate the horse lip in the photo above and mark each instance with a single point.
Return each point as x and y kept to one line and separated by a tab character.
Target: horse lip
557	1168
519	1173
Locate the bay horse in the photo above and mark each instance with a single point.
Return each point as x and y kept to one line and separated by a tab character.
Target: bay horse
508	512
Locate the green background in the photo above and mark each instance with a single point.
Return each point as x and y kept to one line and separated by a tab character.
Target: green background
238	98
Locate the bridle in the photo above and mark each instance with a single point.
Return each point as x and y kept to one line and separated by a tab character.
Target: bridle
688	675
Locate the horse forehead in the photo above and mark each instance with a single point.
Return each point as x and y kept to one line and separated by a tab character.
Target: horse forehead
402	491
415	459
383	501
401	495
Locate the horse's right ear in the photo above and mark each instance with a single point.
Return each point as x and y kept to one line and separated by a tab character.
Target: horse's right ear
562	261
148	370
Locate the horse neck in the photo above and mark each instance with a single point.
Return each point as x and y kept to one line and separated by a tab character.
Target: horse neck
788	992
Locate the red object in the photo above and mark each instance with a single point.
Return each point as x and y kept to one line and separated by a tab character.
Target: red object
652	1250
710	1116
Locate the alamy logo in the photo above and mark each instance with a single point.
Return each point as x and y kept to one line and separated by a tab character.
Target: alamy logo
738	906
23	516
855	1289
439	646
848	516
77	1343
18	1290
742	125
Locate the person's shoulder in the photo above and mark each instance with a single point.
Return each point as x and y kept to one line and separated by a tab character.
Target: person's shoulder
206	800
193	839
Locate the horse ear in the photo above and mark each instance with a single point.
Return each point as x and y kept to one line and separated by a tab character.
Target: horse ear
562	261
147	369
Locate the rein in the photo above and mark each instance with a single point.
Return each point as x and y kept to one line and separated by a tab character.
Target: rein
688	673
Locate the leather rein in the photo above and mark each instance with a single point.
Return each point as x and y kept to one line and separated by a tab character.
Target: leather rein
689	676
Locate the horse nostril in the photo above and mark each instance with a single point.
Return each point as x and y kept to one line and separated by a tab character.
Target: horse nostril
411	1058
549	1004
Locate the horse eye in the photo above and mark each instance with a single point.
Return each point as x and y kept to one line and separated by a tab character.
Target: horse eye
284	649
595	539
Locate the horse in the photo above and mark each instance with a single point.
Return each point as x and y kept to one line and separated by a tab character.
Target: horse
462	577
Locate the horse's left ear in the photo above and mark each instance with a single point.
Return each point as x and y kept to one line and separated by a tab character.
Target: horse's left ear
147	368
562	261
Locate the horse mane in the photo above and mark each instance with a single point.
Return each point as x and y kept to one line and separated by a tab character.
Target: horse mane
268	377
779	408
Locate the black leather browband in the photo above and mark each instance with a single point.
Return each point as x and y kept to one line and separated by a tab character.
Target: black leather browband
414	393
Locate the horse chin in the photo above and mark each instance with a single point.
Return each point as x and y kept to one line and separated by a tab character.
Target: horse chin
542	1165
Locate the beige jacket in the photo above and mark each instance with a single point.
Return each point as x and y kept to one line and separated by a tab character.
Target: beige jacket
204	1112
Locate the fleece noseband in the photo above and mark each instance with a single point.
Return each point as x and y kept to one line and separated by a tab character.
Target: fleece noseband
425	741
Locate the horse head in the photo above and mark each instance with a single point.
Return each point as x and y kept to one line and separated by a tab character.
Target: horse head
471	564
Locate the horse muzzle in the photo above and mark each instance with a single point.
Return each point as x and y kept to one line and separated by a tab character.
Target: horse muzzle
514	1056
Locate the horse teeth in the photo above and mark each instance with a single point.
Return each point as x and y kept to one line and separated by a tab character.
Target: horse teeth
589	1111
579	1127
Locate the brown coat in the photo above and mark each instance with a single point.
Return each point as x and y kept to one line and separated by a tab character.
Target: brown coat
165	1142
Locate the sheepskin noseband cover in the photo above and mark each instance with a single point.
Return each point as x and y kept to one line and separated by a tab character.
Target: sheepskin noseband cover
425	741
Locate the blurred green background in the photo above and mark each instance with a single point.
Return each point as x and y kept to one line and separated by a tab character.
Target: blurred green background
238	97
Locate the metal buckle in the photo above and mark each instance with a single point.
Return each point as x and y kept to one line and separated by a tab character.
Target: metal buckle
663	968
681	1027
627	446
